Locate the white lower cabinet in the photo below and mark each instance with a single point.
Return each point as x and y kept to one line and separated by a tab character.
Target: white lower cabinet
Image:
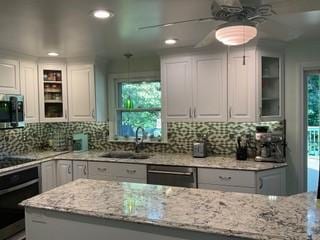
121	172
268	182
64	172
100	171
80	169
272	182
48	175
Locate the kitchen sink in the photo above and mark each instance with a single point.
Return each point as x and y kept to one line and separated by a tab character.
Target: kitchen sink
126	155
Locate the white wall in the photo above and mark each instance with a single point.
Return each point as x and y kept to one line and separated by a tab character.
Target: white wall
297	55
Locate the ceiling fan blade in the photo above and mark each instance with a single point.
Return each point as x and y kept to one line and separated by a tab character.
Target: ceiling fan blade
292	6
210	38
177	22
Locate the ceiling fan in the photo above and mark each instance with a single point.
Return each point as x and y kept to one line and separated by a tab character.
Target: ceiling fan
241	18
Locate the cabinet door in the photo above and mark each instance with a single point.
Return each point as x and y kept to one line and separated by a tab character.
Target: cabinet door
81	93
48	175
177	88
271	86
64	172
29	89
210	88
242	86
9	72
80	169
272	182
53	93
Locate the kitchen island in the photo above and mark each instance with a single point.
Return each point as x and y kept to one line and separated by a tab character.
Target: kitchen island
91	209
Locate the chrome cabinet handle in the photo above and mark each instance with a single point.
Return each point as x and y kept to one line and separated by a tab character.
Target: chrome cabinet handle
194	112
92	113
260	113
261	183
190	114
230	112
131	171
66	113
85	170
225	178
102	169
69	169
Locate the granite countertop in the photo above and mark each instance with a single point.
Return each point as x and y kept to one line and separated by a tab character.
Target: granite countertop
222	162
227	213
36	156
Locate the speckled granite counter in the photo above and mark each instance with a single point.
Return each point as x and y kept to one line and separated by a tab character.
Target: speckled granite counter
38	157
223	162
231	214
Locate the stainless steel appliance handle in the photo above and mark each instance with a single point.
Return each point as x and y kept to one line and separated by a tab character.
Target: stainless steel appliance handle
23	185
171	172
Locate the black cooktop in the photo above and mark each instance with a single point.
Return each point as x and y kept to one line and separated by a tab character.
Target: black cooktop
12	161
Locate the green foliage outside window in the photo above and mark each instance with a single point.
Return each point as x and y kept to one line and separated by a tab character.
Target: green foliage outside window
313	100
145	110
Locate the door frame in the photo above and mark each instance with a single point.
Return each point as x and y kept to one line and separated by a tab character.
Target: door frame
303	125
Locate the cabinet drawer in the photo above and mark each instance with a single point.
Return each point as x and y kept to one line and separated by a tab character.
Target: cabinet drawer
100	170
226	188
129	170
226	177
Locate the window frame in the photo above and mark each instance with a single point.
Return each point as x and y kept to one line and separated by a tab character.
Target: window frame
114	109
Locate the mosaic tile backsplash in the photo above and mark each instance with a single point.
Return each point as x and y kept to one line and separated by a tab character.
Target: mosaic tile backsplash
181	135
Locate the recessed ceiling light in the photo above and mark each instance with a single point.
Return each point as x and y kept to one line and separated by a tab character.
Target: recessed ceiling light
171	41
102	14
53	54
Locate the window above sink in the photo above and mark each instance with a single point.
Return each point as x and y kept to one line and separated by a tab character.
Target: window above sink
136	102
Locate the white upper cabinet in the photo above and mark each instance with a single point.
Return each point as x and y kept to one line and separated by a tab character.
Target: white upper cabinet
271	85
29	89
53	93
10	79
177	92
210	87
242	86
81	92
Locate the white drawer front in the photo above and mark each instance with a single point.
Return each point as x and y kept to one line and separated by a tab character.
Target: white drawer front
129	170
100	170
226	188
226	177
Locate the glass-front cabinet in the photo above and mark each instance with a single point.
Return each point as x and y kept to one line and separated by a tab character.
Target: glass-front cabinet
53	93
271	106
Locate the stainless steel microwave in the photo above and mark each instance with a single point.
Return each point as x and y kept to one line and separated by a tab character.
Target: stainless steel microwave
11	111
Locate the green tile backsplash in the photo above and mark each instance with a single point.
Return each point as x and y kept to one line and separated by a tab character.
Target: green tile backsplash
180	136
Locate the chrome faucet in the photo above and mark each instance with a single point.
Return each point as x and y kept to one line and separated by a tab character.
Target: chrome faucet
139	141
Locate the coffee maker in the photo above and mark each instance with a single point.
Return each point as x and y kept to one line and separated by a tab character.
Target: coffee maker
270	147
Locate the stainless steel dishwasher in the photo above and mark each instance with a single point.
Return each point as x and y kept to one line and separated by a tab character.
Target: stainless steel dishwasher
172	176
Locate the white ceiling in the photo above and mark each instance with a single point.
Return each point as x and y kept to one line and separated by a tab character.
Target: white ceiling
35	27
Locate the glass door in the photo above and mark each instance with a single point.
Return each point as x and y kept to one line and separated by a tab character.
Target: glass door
53	95
312	79
271	87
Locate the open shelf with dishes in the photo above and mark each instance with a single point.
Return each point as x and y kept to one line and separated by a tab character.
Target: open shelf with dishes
53	92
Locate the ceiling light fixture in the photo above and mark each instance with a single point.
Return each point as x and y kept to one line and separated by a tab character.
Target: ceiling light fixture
102	14
53	54
171	41
234	34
